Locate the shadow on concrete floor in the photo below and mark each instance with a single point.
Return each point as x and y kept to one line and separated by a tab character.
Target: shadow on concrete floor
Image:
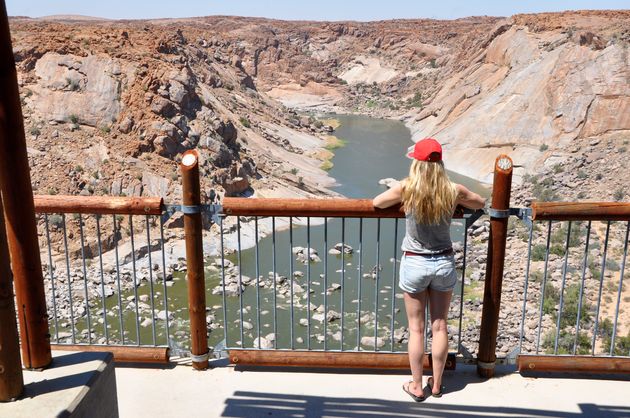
453	380
57	384
260	404
70	358
68	381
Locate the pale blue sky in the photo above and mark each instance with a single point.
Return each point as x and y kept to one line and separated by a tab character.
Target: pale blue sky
363	10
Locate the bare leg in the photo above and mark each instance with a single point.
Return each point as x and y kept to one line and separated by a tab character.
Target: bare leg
438	305
415	304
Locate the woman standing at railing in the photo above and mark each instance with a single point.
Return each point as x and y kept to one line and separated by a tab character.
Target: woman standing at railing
427	269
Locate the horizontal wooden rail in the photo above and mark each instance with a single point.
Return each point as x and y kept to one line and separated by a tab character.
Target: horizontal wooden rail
122	354
307	207
579	364
329	359
99	205
350	208
580	211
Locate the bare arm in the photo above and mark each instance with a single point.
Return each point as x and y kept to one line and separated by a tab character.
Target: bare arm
469	199
389	197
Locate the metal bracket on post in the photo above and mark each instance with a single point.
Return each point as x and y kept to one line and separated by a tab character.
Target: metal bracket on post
190	209
220	350
199	358
512	356
524	214
214	211
211	211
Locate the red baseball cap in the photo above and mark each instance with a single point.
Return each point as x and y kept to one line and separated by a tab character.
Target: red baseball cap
427	149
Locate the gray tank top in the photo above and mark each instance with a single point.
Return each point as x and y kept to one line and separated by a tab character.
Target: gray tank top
426	239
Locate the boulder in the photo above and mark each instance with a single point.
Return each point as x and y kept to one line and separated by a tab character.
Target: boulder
177	92
235	61
232	289
163	107
318	317
343	247
116	187
235	186
369	342
85	89
163	315
220	154
109	291
332	316
263	342
227	131
154	185
126	125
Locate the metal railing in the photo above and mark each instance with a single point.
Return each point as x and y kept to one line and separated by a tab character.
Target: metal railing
320	275
105	272
575	301
577	280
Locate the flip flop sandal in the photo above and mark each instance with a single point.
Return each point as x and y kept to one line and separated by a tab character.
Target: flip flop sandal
435	395
414	397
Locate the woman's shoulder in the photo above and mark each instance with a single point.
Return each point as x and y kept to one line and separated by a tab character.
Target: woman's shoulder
397	184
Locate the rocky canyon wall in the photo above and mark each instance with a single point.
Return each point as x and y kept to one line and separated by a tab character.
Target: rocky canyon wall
110	105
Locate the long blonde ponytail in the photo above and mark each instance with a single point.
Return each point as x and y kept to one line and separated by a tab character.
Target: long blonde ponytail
428	193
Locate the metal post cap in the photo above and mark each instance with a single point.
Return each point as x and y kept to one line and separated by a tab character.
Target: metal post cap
189	159
504	163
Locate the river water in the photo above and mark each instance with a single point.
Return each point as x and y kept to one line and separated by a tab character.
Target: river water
374	149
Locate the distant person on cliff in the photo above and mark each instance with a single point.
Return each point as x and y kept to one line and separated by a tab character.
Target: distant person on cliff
427	268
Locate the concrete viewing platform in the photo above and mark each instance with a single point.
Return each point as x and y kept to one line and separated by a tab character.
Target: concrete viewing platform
76	384
180	391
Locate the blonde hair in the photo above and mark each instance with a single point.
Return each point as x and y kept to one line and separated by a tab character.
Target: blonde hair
428	193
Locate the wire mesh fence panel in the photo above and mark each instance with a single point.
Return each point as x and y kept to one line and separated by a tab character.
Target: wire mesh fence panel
577	302
105	279
328	284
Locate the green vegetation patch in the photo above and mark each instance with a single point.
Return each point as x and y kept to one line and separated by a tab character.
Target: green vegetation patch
332	142
245	122
326	165
541	189
334	123
473	291
622	343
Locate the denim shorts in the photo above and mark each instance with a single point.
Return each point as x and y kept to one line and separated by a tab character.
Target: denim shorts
419	272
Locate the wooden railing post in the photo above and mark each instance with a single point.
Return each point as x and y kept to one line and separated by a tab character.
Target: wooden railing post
193	230
15	183
11	379
494	269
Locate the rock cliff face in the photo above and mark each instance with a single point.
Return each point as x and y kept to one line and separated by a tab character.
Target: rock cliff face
534	90
142	92
109	108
